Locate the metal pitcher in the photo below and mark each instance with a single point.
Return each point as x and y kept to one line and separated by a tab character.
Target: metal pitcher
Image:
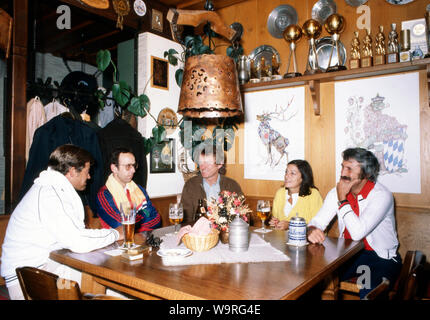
239	235
242	70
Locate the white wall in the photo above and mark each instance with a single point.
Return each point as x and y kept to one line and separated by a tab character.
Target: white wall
160	184
48	65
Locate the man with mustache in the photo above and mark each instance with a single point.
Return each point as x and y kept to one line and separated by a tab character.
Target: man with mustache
365	211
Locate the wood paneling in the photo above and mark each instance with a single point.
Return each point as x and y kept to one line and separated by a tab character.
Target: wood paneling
18	116
319	130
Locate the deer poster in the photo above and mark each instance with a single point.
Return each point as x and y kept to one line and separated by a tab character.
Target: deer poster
382	115
274	132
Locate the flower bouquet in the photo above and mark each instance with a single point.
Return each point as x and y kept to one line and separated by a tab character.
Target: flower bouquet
221	211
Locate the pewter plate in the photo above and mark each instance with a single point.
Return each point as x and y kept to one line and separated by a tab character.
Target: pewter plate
265	51
399	2
355	3
323	9
280	18
323	48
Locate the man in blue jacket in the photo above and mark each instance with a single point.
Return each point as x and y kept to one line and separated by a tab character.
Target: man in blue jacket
121	188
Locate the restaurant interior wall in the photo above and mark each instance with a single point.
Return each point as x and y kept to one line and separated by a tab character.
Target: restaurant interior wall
126	62
48	65
319	130
413	210
149	44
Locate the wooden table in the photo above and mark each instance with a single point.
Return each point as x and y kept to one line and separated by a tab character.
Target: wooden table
150	279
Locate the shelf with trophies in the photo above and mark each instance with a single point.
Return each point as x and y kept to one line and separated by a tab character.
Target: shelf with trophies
367	57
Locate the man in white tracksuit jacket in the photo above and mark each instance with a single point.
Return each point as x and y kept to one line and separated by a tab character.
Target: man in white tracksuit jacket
365	212
51	217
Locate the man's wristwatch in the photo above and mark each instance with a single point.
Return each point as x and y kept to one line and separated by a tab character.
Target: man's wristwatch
342	202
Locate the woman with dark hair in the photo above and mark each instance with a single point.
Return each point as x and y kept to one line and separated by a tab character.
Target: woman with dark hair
298	196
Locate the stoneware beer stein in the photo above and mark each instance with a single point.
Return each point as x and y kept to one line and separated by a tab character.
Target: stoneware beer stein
297	231
238	240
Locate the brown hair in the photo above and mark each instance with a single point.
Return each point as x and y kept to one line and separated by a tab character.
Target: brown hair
67	156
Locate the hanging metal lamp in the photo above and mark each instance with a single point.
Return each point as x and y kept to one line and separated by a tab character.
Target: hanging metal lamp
210	88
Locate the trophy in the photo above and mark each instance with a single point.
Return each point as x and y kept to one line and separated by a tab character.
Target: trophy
334	26
367	53
379	47
354	60
254	72
265	70
393	45
275	68
312	30
405	45
292	34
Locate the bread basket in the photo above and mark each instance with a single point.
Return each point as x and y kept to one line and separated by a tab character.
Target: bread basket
201	243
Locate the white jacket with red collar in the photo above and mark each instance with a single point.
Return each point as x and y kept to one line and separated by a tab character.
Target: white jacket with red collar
376	221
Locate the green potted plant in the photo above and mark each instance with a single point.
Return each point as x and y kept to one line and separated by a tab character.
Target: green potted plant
194	45
124	96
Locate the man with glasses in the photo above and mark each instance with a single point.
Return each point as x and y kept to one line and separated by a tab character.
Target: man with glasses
120	188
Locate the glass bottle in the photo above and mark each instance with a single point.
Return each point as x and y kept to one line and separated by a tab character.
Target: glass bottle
201	210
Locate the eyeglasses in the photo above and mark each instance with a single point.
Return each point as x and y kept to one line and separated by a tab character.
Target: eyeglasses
129	166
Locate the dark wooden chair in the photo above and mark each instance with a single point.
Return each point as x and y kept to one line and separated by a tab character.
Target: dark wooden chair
405	288
380	292
37	284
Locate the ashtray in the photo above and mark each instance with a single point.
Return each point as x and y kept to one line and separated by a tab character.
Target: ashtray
171	255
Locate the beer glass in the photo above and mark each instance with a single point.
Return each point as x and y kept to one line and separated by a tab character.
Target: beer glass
128	220
263	212
176	214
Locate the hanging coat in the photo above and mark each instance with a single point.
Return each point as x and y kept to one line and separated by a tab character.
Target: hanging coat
119	133
56	132
35	118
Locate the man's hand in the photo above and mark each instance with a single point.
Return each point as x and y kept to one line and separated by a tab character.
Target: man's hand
121	233
315	235
344	186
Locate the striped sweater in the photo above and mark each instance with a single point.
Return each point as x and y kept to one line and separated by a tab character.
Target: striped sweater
147	218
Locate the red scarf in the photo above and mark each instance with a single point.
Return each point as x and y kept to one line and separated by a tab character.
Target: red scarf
353	202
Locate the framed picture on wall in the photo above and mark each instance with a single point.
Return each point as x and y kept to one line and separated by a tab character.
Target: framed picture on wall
157	20
160	73
162	157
